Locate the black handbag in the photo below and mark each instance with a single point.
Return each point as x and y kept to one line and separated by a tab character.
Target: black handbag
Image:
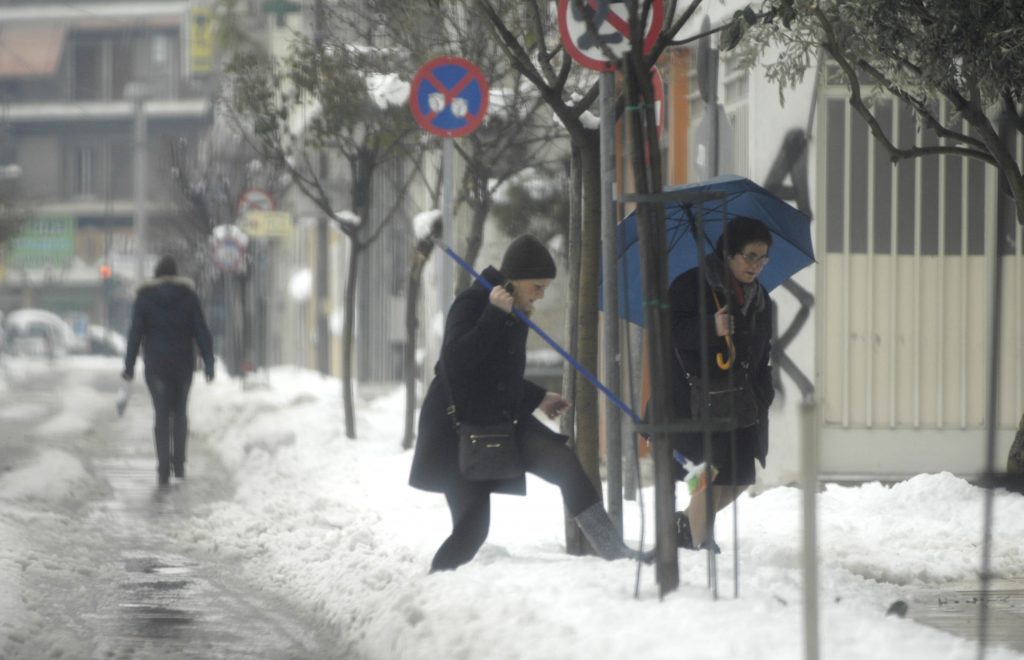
735	403
487	451
723	401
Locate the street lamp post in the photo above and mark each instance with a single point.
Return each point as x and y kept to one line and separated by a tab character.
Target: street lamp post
138	92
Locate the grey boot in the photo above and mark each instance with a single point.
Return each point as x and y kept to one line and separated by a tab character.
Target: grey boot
599	530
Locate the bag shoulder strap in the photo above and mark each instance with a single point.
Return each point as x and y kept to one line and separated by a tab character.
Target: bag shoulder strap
450	410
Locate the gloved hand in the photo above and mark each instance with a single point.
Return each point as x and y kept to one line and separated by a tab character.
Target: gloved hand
127	375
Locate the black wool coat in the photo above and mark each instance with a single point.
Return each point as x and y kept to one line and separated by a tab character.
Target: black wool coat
484	352
752	339
168	322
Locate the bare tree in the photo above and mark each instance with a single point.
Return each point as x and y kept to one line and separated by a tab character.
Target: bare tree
333	94
208	179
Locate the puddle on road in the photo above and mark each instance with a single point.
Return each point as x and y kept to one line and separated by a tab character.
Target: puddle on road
172	600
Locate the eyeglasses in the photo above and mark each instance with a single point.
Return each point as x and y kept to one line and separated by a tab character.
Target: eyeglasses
755	259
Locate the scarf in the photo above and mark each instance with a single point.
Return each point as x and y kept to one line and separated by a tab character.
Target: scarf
717	274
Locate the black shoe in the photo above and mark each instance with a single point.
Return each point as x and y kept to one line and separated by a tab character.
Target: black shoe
164	479
684	539
179	472
704	546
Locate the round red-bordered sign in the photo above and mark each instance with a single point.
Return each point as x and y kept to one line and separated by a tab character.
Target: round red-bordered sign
613	28
449	97
255	199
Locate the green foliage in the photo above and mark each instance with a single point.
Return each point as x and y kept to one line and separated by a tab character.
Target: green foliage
924	49
533	203
317	98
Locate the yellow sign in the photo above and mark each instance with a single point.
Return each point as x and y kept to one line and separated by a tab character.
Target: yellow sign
275	224
200	40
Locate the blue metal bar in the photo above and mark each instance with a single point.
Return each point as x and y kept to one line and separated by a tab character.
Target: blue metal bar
543	335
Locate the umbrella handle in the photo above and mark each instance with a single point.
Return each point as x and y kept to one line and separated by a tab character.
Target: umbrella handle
723	363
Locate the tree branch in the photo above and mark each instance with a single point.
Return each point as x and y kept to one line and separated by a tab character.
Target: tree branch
857	103
1010	108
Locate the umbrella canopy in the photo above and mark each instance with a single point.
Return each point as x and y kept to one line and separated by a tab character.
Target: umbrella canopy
791	248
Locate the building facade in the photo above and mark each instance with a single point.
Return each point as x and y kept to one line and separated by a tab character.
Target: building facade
890	330
88	92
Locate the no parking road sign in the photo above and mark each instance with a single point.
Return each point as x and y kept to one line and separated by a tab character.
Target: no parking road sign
610	20
449	97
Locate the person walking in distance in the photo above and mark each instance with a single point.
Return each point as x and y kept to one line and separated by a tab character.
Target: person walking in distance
480	375
168	322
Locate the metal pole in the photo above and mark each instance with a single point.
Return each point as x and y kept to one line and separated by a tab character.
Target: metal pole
809	478
612	425
448	221
992	404
321	300
141	167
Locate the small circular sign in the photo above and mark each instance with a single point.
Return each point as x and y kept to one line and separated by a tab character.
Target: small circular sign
255	199
449	97
228	254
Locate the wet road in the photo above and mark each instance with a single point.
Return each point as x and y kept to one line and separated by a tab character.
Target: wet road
956	608
107	576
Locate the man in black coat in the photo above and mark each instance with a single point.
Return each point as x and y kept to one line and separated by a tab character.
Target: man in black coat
480	371
168	322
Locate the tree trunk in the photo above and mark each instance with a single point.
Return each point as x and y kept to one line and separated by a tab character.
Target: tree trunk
1015	461
574	541
587	439
481	209
585	402
651	231
412	323
347	334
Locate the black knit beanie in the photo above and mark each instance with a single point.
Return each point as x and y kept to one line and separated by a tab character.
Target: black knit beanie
166	266
527	259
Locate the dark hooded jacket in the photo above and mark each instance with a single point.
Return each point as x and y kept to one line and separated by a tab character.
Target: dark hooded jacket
484	352
168	322
752	339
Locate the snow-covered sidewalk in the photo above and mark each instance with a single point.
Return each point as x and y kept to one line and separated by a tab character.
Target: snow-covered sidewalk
331	523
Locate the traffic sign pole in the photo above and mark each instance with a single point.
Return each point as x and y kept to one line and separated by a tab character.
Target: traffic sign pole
613	434
448	97
448	221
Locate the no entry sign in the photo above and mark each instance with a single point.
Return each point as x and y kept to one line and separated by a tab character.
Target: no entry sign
610	19
449	97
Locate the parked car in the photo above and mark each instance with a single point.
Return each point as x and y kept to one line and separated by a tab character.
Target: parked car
37	333
104	341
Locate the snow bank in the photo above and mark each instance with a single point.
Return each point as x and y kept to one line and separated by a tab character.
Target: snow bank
53	476
330	522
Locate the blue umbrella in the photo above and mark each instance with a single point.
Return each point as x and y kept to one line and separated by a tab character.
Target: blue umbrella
791	235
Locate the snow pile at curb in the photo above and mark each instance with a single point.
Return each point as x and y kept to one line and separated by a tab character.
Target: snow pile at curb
52	477
330	523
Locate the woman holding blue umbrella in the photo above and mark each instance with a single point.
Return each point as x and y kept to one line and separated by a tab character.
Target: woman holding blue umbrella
738	386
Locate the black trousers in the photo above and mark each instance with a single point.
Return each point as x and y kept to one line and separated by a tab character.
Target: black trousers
169	388
545	455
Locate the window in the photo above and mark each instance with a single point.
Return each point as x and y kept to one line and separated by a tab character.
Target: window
84	171
914	222
87	70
